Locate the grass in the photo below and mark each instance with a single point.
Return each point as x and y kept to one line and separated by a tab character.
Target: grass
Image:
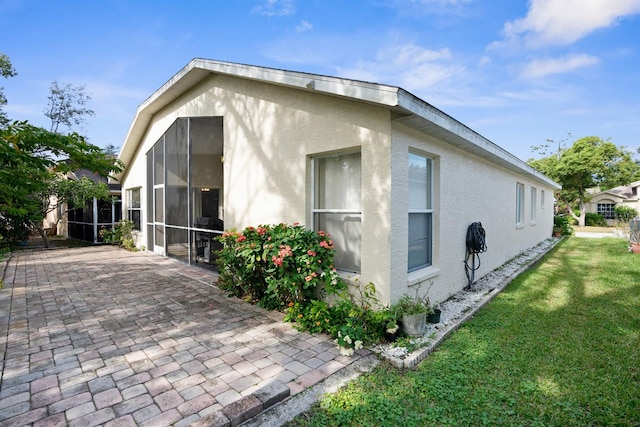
559	347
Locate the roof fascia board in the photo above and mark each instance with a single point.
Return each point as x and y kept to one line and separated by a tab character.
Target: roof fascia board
462	136
335	86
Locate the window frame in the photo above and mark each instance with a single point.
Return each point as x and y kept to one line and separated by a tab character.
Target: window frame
609	213
533	207
426	212
131	208
519	204
315	210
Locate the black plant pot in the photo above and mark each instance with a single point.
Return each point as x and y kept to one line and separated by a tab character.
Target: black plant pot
392	336
435	316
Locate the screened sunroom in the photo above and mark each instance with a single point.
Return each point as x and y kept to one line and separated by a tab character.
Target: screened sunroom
185	180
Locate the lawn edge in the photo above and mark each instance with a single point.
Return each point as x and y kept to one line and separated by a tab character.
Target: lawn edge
413	359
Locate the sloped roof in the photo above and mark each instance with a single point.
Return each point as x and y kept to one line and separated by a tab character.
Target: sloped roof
406	108
623	191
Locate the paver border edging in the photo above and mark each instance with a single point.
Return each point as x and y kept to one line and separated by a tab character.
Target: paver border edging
412	360
293	406
6	295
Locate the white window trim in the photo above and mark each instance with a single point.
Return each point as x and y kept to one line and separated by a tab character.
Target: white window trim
534	197
129	204
425	271
519	204
315	210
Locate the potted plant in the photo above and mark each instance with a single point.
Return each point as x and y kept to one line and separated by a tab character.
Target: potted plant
413	311
557	231
392	331
434	316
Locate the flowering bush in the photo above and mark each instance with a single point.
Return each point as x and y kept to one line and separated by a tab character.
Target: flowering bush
290	268
274	265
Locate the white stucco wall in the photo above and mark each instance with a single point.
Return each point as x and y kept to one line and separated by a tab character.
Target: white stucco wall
466	189
271	134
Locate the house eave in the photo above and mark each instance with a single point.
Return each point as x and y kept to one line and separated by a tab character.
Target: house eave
418	114
405	107
199	69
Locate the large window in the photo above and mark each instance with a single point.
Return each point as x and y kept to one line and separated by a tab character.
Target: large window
133	207
420	212
534	196
336	206
607	210
519	203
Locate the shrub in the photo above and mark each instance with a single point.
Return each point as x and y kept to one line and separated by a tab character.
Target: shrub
625	213
594	220
120	235
563	223
289	268
276	265
353	320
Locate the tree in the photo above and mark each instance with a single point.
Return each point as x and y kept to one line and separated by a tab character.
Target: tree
30	173
589	162
111	149
6	71
67	106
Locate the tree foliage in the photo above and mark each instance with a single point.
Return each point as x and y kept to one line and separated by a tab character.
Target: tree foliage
30	172
589	162
6	71
67	106
35	162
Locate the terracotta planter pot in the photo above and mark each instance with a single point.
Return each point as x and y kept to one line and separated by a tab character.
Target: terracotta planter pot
635	248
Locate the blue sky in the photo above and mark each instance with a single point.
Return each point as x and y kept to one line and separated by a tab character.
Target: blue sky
518	72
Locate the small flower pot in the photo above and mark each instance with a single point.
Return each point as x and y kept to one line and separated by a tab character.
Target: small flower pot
435	316
392	336
635	248
414	324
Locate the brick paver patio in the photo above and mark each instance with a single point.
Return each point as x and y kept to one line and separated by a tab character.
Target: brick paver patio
102	336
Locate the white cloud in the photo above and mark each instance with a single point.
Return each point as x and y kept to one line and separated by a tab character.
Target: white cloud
304	26
410	66
275	8
562	22
544	67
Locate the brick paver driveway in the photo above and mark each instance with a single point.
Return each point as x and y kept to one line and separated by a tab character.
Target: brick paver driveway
101	336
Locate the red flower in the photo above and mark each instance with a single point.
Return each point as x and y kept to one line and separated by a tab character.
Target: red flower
241	238
311	253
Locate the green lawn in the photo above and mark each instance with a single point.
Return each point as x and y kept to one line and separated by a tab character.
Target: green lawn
559	347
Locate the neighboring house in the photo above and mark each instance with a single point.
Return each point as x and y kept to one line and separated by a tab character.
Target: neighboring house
394	180
84	222
605	202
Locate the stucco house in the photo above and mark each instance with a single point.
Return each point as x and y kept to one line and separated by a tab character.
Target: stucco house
605	202
393	179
